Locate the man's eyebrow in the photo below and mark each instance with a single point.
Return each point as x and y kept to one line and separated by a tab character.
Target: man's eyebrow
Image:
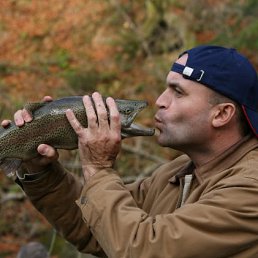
173	84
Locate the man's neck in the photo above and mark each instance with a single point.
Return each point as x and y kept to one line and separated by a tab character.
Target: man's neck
213	149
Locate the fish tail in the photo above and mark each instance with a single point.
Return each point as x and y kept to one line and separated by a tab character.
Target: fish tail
10	166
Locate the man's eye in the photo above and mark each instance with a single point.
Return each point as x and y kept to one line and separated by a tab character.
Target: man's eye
178	92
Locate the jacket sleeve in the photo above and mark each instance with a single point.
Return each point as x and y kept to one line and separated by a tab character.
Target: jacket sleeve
205	228
54	195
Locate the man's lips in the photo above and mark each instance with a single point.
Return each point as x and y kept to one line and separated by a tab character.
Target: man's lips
158	122
157	119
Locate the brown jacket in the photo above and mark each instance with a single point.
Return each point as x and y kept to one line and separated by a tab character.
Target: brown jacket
215	215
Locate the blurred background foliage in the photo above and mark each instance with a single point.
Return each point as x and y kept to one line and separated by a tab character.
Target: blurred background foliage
122	48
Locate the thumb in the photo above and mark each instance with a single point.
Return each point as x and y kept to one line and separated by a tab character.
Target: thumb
47	151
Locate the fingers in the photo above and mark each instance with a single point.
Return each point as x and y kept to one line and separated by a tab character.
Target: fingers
90	113
21	117
18	119
101	110
48	155
5	123
47	99
47	151
77	127
115	123
27	117
97	117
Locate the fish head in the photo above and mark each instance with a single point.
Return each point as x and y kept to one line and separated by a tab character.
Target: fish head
128	110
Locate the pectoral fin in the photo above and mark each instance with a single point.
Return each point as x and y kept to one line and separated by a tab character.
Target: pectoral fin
10	166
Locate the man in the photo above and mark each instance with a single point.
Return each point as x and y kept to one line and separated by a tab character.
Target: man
202	204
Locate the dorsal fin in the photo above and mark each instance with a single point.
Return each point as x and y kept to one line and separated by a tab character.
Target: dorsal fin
33	106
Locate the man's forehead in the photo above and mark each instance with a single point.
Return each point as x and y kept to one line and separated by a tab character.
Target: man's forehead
173	78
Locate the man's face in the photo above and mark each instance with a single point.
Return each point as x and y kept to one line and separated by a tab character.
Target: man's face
184	112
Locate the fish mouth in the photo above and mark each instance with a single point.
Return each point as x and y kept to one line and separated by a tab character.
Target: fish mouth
136	130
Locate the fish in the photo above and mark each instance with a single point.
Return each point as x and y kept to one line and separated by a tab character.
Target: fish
50	126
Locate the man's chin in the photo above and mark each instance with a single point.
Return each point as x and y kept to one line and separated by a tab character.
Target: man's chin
161	141
166	142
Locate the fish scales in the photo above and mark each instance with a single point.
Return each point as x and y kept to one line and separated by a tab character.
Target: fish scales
50	126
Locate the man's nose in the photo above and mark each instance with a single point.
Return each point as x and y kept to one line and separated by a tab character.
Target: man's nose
161	101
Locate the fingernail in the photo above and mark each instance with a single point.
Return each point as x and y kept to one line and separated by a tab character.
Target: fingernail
42	149
18	121
28	118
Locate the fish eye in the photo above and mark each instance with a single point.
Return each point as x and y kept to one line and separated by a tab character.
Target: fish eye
127	111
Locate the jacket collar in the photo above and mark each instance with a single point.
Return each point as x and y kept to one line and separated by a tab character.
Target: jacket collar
224	161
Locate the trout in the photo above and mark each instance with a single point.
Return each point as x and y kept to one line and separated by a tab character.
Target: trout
50	126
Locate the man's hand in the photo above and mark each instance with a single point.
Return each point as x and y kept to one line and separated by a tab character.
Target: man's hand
47	153
100	142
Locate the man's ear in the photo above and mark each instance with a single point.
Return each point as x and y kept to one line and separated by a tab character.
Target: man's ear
223	114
